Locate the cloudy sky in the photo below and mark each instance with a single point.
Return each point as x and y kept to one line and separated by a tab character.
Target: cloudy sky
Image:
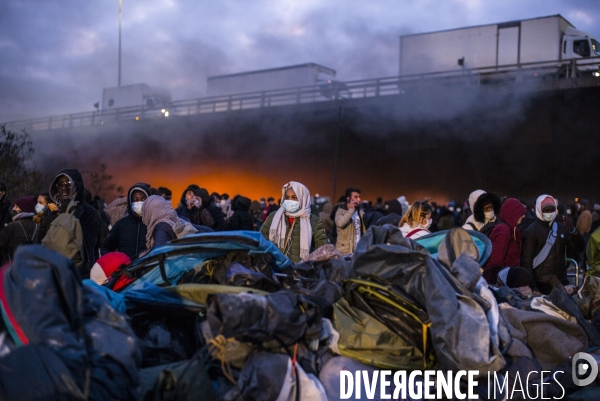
57	56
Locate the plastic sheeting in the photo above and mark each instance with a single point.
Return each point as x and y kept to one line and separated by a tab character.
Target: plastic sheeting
46	307
460	329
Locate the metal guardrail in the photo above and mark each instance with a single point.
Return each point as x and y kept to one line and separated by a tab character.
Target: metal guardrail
310	94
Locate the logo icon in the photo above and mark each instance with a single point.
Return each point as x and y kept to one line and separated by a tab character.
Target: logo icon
584	365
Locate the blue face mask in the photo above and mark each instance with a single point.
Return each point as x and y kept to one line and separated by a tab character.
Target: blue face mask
291	206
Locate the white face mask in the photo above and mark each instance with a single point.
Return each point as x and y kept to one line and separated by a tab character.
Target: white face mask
489	215
137	207
291	206
427	225
549	216
39	208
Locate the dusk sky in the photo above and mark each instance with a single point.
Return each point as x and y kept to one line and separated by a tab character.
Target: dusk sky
58	56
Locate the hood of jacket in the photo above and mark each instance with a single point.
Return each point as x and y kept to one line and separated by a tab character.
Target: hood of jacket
474	196
511	211
483	199
191	187
76	185
207	200
538	206
241	203
140	186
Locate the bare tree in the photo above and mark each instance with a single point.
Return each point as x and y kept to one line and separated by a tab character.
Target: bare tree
100	184
16	164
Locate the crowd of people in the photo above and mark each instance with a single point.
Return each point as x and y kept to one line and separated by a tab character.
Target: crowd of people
529	242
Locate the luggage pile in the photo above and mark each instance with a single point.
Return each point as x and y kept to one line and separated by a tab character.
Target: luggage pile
225	316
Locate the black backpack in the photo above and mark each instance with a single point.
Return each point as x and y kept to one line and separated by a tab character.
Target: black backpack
489	227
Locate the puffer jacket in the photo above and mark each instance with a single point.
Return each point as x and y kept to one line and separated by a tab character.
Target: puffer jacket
319	238
534	239
128	234
345	229
506	240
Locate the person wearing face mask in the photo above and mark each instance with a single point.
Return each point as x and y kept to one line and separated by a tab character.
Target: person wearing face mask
485	207
128	234
417	220
506	240
292	228
22	229
544	245
44	206
349	222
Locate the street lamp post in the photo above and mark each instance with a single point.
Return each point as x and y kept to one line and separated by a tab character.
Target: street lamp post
120	11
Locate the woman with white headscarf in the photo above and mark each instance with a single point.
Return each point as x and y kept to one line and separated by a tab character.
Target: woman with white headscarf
293	228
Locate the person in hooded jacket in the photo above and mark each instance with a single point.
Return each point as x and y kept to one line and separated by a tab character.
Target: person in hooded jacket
485	207
22	229
189	203
241	219
128	234
208	203
292	228
392	211
535	237
506	240
67	192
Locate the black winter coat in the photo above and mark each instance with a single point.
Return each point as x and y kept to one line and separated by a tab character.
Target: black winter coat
534	238
241	219
88	216
128	235
5	213
21	231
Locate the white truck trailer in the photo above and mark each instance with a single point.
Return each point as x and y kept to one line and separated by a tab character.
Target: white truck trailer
551	43
137	95
302	75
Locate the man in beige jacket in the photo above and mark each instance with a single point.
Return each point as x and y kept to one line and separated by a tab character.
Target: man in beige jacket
349	221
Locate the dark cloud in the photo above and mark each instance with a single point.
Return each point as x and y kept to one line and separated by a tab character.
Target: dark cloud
58	56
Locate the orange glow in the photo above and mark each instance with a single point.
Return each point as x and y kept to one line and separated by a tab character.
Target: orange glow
177	179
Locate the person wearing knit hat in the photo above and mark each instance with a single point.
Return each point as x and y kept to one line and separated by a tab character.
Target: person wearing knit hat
22	229
106	265
25	204
559	236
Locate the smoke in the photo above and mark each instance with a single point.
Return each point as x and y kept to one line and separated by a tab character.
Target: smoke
440	141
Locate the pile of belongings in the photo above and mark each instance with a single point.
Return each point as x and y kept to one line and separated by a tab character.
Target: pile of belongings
225	316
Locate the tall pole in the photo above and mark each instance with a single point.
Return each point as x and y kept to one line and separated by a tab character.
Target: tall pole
335	154
120	11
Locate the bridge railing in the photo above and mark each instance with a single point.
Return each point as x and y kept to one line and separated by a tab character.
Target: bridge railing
335	91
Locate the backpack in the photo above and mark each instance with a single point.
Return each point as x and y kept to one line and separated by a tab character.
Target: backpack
65	236
489	227
28	240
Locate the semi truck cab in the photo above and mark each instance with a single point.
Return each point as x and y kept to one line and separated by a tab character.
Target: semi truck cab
580	45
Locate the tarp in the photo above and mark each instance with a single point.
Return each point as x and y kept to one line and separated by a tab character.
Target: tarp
460	329
72	330
184	254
